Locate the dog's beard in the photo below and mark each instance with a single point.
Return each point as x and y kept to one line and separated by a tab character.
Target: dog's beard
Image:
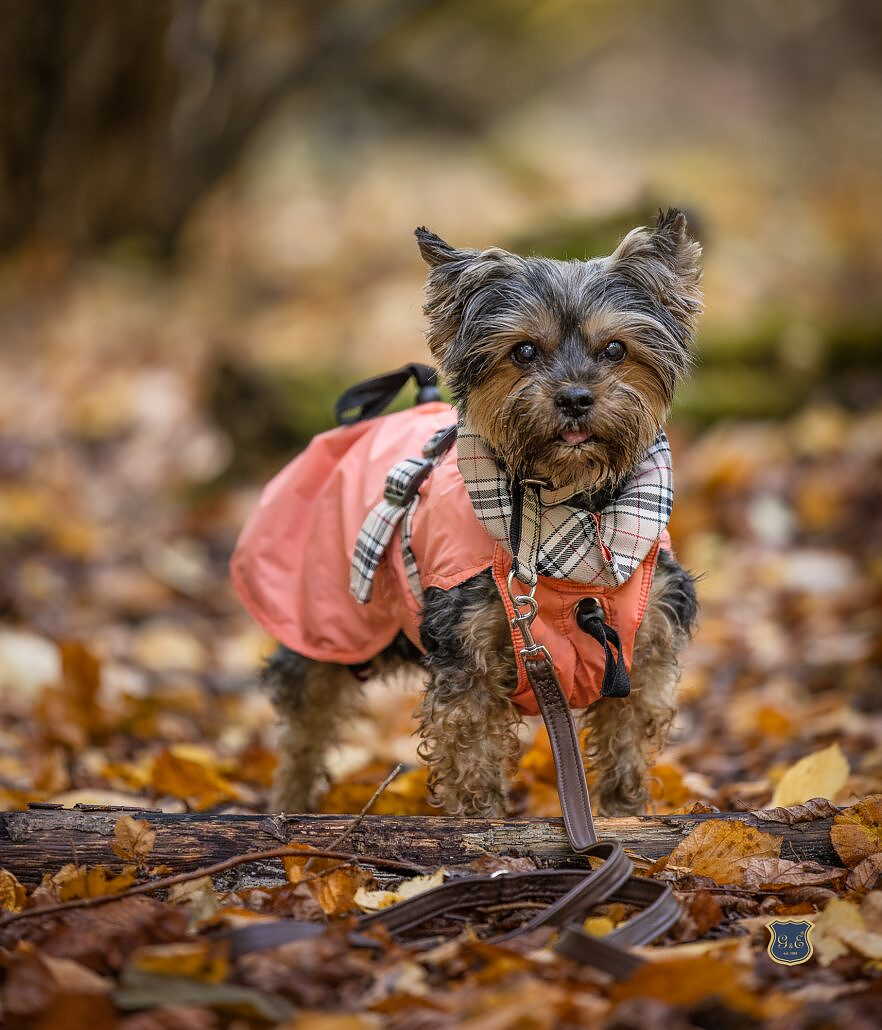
533	439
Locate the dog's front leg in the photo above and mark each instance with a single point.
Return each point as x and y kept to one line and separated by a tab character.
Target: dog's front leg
469	740
625	735
468	725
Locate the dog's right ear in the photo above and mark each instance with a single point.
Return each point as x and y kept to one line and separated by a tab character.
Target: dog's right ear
436	251
454	277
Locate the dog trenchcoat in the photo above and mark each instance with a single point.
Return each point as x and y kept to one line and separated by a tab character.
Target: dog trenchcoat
291	566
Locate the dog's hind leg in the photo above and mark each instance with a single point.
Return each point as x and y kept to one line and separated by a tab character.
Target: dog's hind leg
314	701
625	734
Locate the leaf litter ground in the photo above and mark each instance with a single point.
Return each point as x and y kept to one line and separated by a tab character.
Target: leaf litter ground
127	677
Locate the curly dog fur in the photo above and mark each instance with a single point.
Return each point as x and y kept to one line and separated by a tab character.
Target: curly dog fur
590	351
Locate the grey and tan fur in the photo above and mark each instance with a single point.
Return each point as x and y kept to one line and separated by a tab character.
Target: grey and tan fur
591	349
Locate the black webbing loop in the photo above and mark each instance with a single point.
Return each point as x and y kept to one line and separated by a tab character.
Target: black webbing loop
589	618
371	397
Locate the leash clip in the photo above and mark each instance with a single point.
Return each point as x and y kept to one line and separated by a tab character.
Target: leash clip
523	620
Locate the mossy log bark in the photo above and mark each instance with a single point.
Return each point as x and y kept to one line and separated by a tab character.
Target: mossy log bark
43	838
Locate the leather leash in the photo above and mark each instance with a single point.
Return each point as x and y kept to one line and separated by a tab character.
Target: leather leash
569	894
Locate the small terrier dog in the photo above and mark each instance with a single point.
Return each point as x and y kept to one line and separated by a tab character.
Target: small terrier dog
583	358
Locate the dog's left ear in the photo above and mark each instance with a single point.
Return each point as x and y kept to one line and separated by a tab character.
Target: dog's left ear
665	261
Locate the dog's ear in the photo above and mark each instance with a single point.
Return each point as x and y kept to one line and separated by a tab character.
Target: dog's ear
454	276
436	251
664	261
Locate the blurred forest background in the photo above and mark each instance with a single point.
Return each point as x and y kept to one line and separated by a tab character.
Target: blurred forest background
206	215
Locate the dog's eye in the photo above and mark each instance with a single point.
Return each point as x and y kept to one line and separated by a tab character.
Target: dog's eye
525	352
614	350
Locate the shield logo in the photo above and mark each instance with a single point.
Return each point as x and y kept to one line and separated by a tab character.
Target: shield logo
790	941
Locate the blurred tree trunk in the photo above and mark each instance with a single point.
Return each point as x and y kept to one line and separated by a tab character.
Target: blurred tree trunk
118	115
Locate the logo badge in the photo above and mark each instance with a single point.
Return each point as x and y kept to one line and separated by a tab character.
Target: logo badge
790	943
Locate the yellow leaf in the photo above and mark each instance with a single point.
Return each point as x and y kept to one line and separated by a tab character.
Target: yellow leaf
73	881
371	901
598	926
719	849
667	786
12	893
133	839
203	960
183	773
856	833
837	920
819	775
406	795
688	981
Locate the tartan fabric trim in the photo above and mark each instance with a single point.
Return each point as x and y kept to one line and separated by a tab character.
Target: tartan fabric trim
381	522
553	538
397	506
559	540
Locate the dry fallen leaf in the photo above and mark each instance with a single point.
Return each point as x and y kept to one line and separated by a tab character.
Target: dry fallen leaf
12	893
690	980
769	874
814	808
133	839
857	832
190	774
719	849
335	889
73	881
838	928
371	901
819	775
866	874
204	960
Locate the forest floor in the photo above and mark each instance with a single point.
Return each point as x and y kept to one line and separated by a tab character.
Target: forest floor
127	677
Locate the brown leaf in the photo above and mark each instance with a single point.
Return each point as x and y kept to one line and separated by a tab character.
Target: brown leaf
189	774
718	849
103	937
41	991
12	893
778	873
857	832
815	808
335	889
700	911
133	839
866	874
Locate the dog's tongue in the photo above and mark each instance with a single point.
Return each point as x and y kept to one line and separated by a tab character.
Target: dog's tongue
574	437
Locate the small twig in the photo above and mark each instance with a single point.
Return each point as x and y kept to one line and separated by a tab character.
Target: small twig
211	870
353	826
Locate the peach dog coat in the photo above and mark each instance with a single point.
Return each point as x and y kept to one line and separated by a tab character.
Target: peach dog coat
291	566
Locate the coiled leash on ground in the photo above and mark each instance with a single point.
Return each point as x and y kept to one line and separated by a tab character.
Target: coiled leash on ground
568	893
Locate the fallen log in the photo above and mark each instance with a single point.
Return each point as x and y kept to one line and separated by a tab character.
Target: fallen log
45	837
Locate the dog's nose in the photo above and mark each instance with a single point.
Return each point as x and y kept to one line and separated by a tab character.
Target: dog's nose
574	400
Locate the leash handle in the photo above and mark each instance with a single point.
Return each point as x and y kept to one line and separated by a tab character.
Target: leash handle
372	396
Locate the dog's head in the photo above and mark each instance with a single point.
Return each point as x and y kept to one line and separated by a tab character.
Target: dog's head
566	368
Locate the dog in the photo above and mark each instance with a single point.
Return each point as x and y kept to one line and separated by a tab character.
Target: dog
565	372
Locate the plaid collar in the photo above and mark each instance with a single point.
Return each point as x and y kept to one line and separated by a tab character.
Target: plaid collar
548	537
